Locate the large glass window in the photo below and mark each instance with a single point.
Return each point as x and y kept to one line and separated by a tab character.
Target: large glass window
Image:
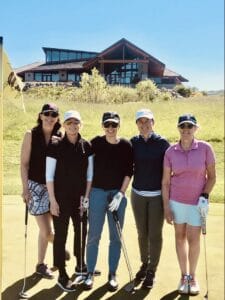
72	55
48	56
46	77
55	76
73	77
55	55
122	73
38	76
63	55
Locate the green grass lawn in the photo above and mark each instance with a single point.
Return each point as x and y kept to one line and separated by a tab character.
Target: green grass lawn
208	110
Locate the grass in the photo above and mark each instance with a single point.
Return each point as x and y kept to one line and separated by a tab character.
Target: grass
208	110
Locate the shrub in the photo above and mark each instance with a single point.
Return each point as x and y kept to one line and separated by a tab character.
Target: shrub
147	90
183	91
93	86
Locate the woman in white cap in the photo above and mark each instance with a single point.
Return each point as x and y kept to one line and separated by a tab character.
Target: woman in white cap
68	181
35	194
146	199
113	169
188	178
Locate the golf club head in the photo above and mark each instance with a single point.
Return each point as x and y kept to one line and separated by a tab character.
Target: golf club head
23	295
130	287
79	279
206	296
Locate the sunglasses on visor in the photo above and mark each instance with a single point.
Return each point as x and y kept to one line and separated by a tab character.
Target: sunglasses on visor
52	114
112	124
186	125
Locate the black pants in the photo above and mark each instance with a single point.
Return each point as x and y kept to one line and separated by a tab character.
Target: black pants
61	224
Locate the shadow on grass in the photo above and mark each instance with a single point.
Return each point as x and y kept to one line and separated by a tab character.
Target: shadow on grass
12	292
173	295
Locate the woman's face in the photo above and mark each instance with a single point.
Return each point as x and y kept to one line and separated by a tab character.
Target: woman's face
145	126
110	128
49	119
187	131
72	126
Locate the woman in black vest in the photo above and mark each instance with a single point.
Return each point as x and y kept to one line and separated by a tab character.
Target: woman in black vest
35	194
68	179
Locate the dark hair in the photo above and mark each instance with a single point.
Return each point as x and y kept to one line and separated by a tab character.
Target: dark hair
56	127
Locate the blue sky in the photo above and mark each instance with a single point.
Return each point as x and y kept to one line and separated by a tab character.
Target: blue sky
186	35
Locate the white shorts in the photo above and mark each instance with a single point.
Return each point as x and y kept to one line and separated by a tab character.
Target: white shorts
185	213
39	203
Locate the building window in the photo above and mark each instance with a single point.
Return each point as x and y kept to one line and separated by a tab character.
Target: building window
55	77
63	55
73	77
55	55
48	56
38	76
72	55
168	80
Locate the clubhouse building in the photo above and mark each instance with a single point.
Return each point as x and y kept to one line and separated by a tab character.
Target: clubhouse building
123	63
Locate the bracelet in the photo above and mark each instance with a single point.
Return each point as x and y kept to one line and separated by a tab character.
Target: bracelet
205	195
122	192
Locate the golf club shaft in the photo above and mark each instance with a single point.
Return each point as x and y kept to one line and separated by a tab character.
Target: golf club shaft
119	230
81	232
203	225
206	269
25	250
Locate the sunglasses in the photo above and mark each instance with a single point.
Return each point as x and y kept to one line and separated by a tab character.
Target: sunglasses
112	124
187	125
52	114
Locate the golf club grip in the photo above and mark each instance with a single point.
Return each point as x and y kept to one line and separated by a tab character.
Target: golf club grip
203	225
115	216
26	214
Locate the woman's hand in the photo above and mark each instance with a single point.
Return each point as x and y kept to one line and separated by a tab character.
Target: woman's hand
26	196
54	207
168	215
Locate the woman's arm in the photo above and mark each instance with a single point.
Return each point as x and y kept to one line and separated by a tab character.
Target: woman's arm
89	175
24	165
211	179
50	173
166	194
125	184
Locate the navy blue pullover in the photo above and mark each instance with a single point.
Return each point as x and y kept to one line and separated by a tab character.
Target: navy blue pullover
148	162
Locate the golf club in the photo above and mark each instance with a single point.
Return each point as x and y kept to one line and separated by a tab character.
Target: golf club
203	225
81	277
22	294
130	287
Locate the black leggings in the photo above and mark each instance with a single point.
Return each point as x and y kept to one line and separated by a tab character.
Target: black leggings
61	224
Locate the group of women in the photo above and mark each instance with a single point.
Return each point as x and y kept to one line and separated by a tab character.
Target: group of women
67	177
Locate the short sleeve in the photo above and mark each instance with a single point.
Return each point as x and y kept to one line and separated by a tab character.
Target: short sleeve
167	161
52	150
210	155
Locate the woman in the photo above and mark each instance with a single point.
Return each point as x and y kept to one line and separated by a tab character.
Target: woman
148	152
35	194
69	185
188	178
112	173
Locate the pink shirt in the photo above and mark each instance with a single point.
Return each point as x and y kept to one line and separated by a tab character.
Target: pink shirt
188	170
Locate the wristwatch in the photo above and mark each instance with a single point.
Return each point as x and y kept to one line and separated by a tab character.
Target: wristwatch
205	195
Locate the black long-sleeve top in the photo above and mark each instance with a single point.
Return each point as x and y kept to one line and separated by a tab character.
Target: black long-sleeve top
112	162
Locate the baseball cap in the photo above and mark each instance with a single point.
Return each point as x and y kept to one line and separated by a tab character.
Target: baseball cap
144	113
187	118
49	107
72	114
110	116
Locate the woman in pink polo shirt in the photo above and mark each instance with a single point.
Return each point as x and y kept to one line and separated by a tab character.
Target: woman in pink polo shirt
188	178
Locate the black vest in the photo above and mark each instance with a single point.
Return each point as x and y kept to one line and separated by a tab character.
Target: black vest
37	162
